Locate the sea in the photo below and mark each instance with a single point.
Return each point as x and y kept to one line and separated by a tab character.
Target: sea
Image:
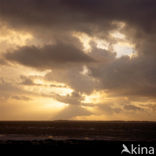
76	134
78	130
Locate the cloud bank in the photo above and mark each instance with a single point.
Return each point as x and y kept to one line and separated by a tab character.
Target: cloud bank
54	47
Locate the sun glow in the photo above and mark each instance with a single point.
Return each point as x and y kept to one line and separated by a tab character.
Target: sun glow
123	48
10	38
95	97
84	39
117	35
49	103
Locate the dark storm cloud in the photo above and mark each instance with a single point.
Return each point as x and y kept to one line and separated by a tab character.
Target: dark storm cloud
136	12
74	99
81	15
59	55
74	107
74	78
57	14
123	75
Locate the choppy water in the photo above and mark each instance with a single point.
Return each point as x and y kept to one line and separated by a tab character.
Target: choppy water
65	130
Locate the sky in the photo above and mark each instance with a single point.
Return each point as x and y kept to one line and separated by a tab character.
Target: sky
78	60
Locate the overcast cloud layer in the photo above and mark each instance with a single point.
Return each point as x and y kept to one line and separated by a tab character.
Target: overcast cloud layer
126	84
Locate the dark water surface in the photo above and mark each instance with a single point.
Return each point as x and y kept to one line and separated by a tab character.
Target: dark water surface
74	137
78	130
